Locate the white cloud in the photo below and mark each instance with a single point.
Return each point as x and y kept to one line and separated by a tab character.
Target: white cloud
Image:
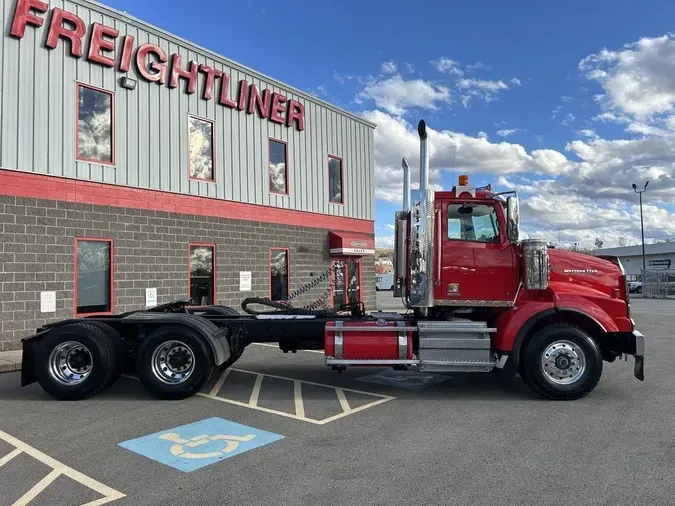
478	88
482	135
390	226
396	95
516	81
586	197
389	67
505	132
569	119
638	78
447	66
409	67
386	241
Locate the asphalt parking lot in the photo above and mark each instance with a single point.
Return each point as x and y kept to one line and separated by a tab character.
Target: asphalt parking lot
295	433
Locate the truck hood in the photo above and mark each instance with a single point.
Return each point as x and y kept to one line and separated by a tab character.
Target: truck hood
580	272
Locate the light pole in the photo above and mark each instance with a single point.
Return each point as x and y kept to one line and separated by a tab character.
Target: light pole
642	226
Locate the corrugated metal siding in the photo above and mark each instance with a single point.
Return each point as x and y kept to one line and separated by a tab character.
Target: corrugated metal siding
38	127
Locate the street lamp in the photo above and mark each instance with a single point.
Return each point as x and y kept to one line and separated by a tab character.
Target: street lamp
642	227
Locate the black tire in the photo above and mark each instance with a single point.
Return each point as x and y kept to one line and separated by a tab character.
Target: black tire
203	363
103	361
119	346
532	370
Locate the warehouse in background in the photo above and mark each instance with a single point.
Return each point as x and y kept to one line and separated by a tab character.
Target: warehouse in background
658	257
136	168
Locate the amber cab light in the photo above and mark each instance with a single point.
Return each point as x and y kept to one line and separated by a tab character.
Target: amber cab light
464	180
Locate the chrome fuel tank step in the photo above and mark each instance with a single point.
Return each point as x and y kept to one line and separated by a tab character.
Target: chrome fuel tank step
454	346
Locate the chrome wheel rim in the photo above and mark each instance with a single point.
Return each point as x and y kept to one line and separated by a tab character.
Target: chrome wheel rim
563	362
70	363
173	362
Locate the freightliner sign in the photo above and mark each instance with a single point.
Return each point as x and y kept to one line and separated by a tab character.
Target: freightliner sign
152	62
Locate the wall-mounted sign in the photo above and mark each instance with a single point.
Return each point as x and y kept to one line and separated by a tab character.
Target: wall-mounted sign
48	302
150	297
661	264
244	281
152	63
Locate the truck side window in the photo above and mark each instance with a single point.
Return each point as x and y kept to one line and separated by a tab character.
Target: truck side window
473	222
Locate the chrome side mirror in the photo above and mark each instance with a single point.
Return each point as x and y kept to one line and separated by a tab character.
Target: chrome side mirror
512	219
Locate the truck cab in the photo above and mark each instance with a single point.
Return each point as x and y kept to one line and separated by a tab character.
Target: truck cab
476	259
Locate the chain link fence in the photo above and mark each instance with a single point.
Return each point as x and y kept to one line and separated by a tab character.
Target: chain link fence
658	284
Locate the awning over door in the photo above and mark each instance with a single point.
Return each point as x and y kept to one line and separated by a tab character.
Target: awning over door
344	243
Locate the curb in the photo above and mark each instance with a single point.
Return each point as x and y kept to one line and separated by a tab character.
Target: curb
10	361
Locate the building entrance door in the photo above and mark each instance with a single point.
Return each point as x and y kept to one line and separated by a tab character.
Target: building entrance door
346	273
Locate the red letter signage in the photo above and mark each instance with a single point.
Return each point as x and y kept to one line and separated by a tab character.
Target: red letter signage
98	43
106	48
23	16
57	30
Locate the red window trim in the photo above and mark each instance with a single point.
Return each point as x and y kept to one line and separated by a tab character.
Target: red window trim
342	180
269	174
288	269
214	295
113	124
112	276
213	149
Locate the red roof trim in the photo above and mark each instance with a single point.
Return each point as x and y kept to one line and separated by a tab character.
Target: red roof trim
22	184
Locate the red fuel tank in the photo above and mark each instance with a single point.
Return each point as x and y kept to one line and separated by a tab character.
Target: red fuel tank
369	340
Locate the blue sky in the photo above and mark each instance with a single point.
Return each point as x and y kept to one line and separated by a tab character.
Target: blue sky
568	102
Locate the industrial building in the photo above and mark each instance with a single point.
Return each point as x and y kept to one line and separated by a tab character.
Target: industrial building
658	257
137	168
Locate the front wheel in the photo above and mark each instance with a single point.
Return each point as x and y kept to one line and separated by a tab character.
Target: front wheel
562	362
174	363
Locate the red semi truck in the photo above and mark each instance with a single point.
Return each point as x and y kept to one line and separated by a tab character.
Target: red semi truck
479	298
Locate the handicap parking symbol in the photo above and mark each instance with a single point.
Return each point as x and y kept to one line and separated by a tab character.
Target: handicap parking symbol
197	445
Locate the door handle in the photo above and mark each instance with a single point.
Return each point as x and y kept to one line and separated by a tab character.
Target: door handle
438	248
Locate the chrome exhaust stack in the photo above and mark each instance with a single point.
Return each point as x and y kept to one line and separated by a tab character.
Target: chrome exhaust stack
422	234
401	236
424	156
406	185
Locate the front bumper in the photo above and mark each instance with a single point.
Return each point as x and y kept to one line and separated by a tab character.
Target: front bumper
630	343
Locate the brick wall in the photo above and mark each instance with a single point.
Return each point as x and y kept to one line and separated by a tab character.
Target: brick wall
150	250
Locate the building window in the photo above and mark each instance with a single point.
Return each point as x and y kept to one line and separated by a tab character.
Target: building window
93	276
202	274
278	167
201	149
95	125
279	273
335	180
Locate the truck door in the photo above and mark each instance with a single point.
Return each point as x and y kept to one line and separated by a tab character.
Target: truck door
478	262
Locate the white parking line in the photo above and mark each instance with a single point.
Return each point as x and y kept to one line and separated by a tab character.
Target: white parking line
58	469
299	402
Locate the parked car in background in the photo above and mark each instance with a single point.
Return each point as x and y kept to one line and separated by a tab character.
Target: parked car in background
635	286
384	281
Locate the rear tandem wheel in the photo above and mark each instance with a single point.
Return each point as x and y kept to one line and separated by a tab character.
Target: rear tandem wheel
174	363
78	360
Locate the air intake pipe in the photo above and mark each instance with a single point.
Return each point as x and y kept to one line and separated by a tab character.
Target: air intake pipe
424	156
406	185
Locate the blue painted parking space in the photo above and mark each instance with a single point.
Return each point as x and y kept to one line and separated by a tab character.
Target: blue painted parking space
410	380
197	445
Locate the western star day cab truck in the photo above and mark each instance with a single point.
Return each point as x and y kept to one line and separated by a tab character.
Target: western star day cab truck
478	299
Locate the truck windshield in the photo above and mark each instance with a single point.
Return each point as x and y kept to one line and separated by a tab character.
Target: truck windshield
473	222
